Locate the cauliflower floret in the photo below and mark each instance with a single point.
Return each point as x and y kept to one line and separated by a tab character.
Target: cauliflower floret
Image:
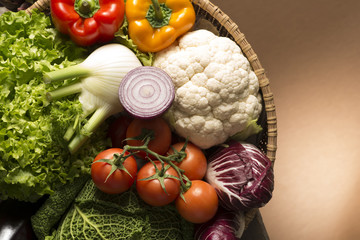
216	91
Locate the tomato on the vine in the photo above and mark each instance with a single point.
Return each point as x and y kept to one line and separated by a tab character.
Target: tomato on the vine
194	164
118	181
117	130
151	190
161	138
201	202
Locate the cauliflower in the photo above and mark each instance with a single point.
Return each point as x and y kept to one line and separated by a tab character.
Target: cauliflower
217	93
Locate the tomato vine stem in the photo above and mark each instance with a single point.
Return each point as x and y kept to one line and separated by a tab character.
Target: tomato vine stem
146	136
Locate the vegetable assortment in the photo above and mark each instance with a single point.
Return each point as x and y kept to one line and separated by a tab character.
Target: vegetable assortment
160	179
174	100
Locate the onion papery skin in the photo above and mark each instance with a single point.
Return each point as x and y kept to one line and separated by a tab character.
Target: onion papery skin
242	176
146	92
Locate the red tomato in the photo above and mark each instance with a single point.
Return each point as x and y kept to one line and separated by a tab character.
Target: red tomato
201	202
162	135
119	181
151	191
117	130
194	164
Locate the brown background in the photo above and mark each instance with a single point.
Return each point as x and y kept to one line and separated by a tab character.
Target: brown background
310	50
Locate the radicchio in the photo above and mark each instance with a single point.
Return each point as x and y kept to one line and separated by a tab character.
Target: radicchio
242	176
225	225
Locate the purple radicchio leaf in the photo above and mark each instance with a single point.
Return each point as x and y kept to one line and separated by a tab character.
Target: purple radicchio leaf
242	176
225	225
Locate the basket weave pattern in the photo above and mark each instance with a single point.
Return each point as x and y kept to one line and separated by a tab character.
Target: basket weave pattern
267	139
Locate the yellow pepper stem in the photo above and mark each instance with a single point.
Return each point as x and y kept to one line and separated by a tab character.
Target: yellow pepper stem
158	12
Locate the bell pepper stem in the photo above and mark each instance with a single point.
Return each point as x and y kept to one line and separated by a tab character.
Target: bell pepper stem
158	12
85	7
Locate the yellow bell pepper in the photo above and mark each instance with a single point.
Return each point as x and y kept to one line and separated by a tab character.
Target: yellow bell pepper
156	24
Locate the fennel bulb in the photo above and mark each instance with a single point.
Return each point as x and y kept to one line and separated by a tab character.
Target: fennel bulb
100	76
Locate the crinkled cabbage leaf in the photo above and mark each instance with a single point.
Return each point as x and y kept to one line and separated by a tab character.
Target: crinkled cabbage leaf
96	215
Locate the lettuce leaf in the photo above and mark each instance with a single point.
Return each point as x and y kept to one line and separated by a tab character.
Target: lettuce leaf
34	159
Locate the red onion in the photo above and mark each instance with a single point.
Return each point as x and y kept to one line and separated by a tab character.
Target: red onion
146	92
242	176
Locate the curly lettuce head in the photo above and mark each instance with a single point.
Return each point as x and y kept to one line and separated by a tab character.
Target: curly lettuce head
33	155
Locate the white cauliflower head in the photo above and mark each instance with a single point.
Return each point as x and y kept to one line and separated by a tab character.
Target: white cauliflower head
217	93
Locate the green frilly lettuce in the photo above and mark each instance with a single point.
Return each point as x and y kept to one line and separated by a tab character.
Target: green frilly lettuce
33	155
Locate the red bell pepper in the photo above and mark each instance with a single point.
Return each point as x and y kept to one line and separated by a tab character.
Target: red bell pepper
88	21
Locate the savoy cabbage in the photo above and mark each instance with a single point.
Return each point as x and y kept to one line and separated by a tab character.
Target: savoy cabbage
97	215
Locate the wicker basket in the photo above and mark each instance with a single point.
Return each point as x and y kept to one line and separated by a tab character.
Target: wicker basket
267	139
